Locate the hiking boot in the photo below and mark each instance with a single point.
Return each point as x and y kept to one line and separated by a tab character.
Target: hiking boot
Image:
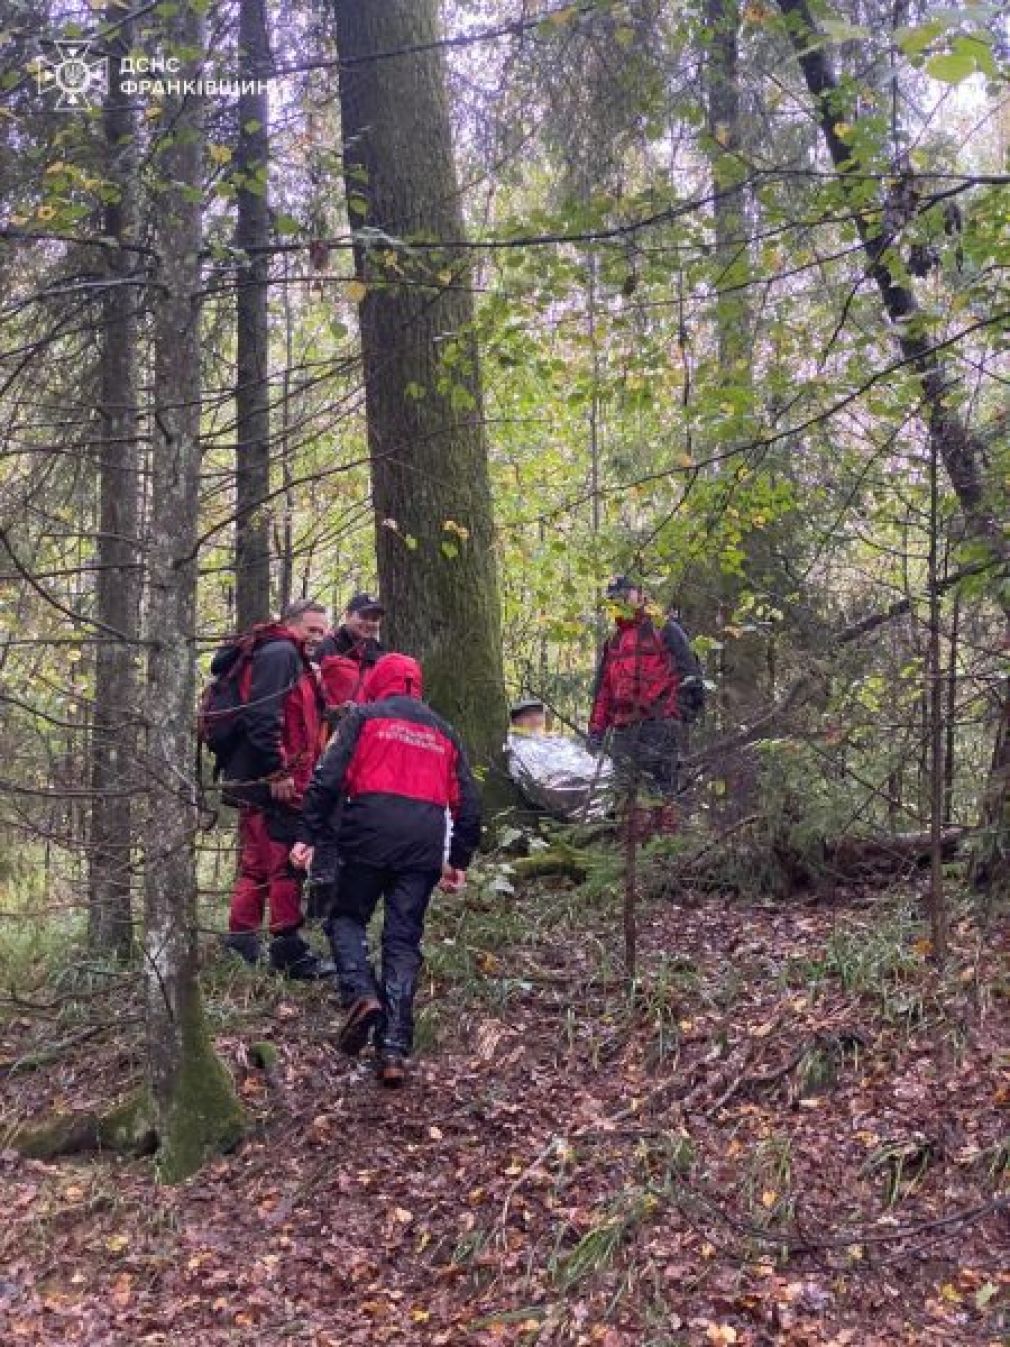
244	944
294	958
363	1016
392	1071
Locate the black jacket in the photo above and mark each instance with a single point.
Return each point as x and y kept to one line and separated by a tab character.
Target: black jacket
281	710
383	787
341	642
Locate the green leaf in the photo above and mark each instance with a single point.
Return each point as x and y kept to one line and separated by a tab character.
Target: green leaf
952	68
838	30
913	41
286	225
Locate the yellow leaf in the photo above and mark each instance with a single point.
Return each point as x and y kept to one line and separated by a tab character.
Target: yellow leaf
951	1294
769	1197
420	1316
220	154
356	291
116	1243
721	1334
402	1215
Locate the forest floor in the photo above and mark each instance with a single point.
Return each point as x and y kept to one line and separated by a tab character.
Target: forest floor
796	1133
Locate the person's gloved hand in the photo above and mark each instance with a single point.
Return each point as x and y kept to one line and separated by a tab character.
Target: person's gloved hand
594	741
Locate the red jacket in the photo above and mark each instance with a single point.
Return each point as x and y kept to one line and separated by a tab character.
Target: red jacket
392	770
637	679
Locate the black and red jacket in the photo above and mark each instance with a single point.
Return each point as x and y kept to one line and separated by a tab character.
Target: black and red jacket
643	675
390	773
281	715
344	661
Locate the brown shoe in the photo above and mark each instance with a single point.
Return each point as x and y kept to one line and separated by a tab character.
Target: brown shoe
364	1014
392	1071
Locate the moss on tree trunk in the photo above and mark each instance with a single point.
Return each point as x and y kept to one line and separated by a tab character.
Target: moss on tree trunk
126	1127
200	1115
431	488
195	1104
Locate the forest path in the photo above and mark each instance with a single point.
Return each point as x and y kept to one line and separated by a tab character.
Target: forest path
795	1135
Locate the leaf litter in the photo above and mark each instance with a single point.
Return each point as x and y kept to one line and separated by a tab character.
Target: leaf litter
778	1139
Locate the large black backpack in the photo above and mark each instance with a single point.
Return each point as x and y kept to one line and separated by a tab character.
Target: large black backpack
219	723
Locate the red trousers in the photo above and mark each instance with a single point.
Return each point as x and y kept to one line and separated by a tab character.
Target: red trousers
265	879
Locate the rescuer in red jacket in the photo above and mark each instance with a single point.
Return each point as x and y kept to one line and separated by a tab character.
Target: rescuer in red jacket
391	773
267	774
648	684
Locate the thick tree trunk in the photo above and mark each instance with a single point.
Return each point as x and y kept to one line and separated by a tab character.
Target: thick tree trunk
431	491
956	445
252	389
743	658
197	1110
114	730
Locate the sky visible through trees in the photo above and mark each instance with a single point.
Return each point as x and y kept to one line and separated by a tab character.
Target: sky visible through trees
479	303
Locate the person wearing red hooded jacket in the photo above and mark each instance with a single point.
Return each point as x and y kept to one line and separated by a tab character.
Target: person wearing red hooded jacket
648	684
384	787
266	774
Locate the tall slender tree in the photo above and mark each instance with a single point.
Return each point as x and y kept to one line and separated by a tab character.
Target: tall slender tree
431	492
114	731
951	437
252	388
197	1110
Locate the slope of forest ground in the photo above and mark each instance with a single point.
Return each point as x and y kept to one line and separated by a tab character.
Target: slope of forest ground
796	1134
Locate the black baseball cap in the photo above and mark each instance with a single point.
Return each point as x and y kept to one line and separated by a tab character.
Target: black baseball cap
365	603
621	585
526	704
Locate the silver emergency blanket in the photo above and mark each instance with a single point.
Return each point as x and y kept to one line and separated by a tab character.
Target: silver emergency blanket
561	776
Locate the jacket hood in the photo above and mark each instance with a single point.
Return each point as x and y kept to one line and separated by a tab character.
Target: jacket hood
393	676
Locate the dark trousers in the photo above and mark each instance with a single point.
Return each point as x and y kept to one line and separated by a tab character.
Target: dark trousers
647	754
406	894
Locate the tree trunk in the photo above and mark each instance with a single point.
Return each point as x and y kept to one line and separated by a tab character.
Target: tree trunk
197	1110
956	445
252	388
430	485
114	733
743	661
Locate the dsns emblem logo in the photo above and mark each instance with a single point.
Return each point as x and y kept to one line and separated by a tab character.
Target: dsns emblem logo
72	73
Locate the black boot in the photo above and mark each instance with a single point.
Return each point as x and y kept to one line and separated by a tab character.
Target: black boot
293	957
246	944
396	1031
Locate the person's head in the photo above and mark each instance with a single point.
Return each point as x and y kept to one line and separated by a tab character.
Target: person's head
625	596
307	619
363	617
393	675
528	715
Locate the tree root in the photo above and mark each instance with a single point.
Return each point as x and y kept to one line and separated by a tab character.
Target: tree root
126	1128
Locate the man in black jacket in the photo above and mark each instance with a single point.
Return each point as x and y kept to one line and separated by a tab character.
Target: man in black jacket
388	778
266	775
357	636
